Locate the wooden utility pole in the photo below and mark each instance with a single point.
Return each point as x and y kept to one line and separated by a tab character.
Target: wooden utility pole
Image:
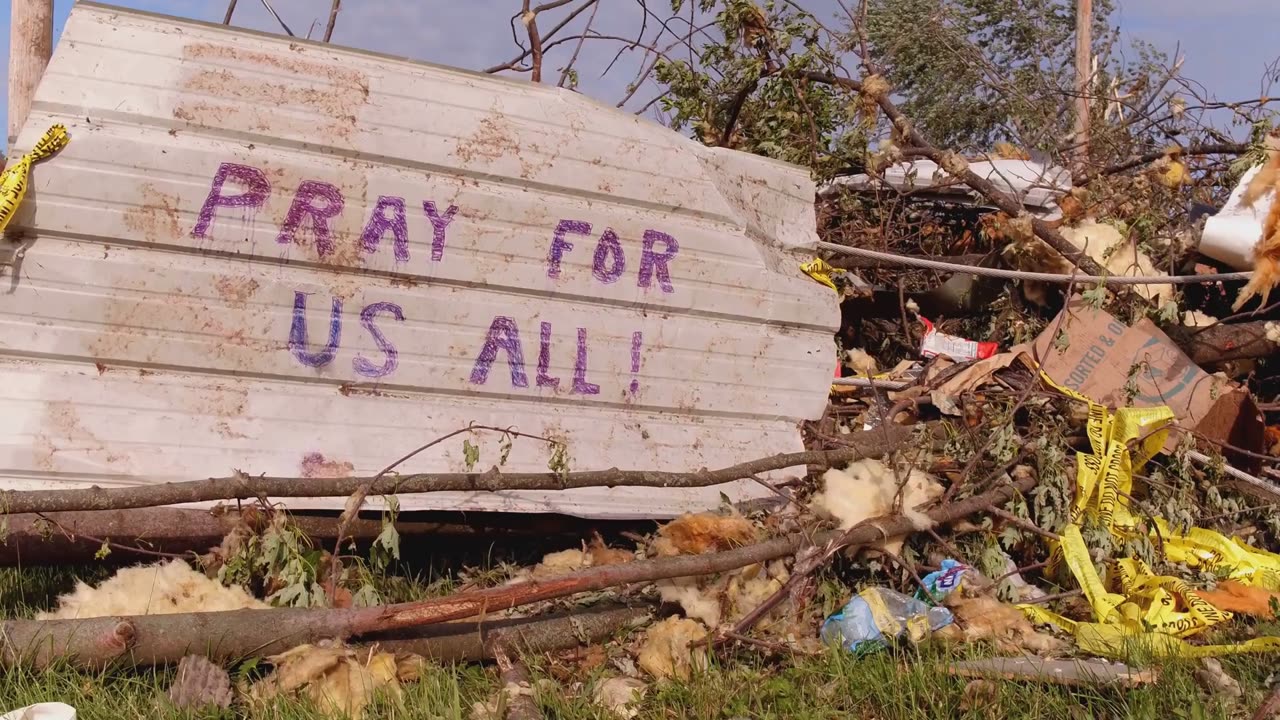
333	19
30	45
1084	76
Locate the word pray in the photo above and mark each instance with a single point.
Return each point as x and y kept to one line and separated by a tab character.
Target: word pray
317	203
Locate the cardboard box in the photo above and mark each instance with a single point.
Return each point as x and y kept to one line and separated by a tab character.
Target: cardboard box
1101	353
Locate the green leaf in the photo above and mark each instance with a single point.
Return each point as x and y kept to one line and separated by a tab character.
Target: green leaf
470	454
389	540
103	551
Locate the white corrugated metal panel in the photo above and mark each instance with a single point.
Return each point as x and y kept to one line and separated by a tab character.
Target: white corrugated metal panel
295	259
1036	184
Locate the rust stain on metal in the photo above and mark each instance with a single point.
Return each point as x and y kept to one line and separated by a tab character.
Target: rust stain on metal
156	218
224	429
332	102
236	290
297	65
495	138
316	465
62	422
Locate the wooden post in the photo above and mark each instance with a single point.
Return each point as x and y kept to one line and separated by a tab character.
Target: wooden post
333	19
30	45
1084	75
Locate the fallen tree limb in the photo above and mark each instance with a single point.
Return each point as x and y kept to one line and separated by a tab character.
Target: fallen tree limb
65	538
458	642
860	445
1224	342
163	639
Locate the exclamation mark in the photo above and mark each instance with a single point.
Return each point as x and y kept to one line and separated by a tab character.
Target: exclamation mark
636	338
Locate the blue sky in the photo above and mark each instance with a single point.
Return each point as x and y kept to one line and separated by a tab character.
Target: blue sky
1228	43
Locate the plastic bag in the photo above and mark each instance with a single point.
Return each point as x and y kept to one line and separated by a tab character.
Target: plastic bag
877	616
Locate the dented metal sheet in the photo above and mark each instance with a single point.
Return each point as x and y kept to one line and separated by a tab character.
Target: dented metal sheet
289	258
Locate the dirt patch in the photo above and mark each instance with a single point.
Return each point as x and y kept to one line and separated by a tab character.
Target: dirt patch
331	72
316	465
236	290
156	218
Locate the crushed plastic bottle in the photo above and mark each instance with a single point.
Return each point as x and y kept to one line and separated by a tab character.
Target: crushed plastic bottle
877	616
943	582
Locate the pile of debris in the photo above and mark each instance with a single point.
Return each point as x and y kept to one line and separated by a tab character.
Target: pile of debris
1084	493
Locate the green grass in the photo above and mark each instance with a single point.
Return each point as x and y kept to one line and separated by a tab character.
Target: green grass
888	685
906	683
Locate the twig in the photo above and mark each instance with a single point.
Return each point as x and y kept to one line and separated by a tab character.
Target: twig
1024	524
1019	571
333	19
107	541
231	9
517	690
910	570
356	500
568	68
276	15
511	64
1051	598
863	445
828	544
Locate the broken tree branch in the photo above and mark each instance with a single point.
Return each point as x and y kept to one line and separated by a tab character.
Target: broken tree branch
160	639
956	166
1147	159
861	445
333	19
512	63
75	537
530	19
475	641
1223	342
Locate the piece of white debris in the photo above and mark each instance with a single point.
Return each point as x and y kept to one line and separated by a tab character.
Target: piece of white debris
160	589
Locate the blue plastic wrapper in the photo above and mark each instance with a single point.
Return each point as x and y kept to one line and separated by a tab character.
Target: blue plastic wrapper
943	582
877	616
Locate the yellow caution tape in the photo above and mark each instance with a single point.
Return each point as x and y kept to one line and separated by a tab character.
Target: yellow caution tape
13	183
820	270
1145	614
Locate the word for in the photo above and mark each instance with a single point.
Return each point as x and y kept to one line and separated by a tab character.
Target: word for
316	204
502	336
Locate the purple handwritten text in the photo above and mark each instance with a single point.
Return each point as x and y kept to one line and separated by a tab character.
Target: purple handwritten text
652	262
319	201
363	366
608	247
257	188
438	224
580	384
298	344
560	246
637	338
379	223
502	335
544	359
